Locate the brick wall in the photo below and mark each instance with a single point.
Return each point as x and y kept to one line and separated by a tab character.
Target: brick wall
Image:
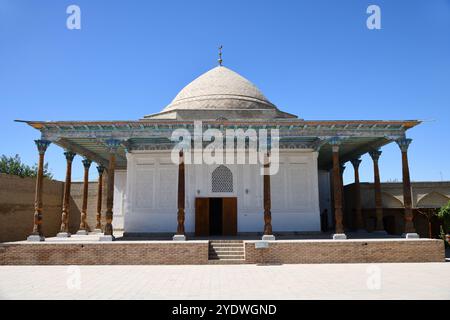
196	252
348	251
17	207
116	253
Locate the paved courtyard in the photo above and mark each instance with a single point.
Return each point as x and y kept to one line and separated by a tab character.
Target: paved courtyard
324	281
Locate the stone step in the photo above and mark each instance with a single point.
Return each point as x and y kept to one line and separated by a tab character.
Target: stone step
228	250
230	261
231	245
226	241
229	256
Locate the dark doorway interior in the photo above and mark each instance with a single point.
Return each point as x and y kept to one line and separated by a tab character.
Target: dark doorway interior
215	216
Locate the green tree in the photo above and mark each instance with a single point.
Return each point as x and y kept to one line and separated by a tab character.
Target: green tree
14	166
444	215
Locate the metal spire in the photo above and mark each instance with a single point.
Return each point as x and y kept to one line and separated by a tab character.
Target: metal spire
220	55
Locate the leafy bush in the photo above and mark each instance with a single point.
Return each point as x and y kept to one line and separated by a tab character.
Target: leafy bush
444	216
14	166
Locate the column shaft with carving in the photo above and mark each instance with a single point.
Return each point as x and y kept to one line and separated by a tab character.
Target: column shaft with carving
337	188
64	229
267	199
375	154
181	196
407	193
112	145
100	170
84	228
38	233
359	221
345	216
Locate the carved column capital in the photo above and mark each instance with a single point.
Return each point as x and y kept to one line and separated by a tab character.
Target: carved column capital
335	142
69	155
86	163
100	169
403	144
112	145
42	145
356	162
375	154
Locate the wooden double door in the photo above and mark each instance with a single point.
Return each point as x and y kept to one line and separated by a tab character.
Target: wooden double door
215	217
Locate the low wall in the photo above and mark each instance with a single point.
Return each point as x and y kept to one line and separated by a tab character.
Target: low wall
346	251
115	253
196	252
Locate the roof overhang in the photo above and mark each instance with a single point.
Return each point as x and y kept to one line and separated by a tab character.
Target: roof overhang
87	138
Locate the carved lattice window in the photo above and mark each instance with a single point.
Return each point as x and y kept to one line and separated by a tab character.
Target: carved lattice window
222	180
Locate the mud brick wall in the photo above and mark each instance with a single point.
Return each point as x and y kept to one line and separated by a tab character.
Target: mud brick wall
17	207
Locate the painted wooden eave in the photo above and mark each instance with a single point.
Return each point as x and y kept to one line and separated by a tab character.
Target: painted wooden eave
319	124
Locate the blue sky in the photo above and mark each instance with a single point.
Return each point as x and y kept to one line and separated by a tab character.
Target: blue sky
314	58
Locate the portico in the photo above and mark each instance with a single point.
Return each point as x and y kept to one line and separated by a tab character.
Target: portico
161	196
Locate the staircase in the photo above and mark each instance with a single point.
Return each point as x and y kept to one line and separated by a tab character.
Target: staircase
226	252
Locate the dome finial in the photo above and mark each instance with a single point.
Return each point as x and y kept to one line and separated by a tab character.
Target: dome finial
220	55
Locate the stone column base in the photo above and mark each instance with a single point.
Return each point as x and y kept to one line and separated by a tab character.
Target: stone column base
268	237
82	233
339	236
411	235
179	237
35	238
106	238
63	235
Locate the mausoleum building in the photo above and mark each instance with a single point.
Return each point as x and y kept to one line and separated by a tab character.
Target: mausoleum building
147	193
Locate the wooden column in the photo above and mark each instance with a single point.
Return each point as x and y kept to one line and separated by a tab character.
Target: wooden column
84	228
359	221
100	170
268	234
345	218
38	234
181	196
337	191
410	231
112	145
64	230
375	154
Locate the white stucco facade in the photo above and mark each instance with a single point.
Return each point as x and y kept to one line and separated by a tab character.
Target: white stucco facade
149	202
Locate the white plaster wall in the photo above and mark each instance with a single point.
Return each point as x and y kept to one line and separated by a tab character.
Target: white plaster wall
151	204
120	183
295	193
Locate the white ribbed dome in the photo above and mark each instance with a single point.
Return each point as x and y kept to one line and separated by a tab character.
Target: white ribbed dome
220	93
220	88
